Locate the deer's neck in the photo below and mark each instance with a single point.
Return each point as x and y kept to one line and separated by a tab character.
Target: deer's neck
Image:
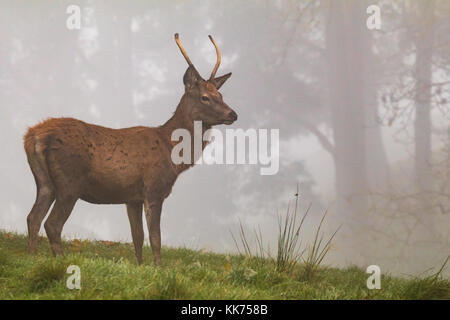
181	120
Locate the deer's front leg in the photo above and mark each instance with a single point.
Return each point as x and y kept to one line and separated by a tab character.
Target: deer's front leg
153	217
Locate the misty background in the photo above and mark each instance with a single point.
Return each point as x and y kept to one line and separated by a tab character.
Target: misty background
363	115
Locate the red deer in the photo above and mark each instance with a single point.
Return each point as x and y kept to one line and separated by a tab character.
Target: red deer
72	160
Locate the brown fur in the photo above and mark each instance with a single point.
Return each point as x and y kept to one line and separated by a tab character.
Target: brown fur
72	160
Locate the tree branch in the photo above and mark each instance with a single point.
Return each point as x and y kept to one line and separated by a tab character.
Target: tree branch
324	141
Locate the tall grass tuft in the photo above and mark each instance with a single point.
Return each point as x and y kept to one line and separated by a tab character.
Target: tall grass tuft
430	287
243	246
289	245
317	251
246	250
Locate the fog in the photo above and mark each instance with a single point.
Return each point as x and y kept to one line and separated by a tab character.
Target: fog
363	115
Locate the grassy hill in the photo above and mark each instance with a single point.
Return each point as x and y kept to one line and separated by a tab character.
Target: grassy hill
109	271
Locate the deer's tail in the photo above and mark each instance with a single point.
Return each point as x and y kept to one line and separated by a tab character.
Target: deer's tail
35	145
29	142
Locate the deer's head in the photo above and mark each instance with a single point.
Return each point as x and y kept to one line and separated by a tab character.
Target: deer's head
205	101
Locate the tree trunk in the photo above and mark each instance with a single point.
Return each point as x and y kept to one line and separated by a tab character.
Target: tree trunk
346	48
422	125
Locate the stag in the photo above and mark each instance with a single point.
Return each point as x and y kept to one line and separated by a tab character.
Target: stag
71	160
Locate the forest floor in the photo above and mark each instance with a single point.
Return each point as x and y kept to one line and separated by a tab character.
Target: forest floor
109	271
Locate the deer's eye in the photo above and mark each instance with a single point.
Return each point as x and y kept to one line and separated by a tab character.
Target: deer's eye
205	99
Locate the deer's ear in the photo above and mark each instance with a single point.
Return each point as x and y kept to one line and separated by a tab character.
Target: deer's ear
219	81
191	77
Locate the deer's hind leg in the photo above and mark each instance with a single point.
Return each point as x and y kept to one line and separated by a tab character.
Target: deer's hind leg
55	222
45	194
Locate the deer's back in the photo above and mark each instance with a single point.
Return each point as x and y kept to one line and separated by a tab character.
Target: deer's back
103	165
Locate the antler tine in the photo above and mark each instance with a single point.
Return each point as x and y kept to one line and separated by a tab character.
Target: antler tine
183	52
216	67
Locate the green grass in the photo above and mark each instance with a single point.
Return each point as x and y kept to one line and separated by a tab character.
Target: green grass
109	271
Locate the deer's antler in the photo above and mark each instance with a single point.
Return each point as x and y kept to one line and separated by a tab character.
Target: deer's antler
183	52
216	67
